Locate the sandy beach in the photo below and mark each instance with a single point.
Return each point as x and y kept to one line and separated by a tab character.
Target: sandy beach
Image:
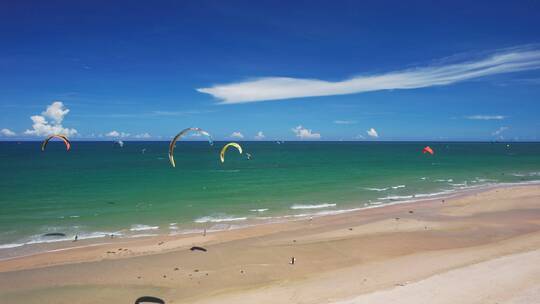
481	247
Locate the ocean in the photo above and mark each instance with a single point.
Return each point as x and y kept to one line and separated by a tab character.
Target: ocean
100	188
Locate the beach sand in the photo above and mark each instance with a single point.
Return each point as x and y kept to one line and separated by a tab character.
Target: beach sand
481	247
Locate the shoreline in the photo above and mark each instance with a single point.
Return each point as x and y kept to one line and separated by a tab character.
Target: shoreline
39	247
36	248
409	251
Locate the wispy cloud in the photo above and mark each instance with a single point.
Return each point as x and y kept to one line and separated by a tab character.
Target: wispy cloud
7	132
372	133
274	88
486	117
499	131
259	136
237	135
304	133
56	112
345	122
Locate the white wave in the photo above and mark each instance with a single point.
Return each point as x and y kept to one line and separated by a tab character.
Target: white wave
445	180
398	186
219	219
40	239
376	189
481	180
143	235
140	227
420	195
395	197
7	246
458	185
265	217
323	213
318	206
259	210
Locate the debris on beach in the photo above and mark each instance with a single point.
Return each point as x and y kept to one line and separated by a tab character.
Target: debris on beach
194	248
410	211
293	260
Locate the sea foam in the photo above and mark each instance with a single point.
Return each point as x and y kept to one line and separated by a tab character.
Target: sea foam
317	206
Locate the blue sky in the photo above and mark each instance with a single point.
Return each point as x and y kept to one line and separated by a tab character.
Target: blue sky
305	70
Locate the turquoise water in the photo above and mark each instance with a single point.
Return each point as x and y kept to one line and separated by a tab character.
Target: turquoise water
99	188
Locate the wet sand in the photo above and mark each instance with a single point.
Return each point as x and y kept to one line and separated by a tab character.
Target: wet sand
478	248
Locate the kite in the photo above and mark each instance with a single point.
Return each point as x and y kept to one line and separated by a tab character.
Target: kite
62	137
428	149
224	149
172	145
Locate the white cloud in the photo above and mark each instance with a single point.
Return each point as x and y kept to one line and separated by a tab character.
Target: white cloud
372	133
273	88
344	122
304	133
143	135
259	136
56	112
237	135
499	131
115	133
486	117
7	132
